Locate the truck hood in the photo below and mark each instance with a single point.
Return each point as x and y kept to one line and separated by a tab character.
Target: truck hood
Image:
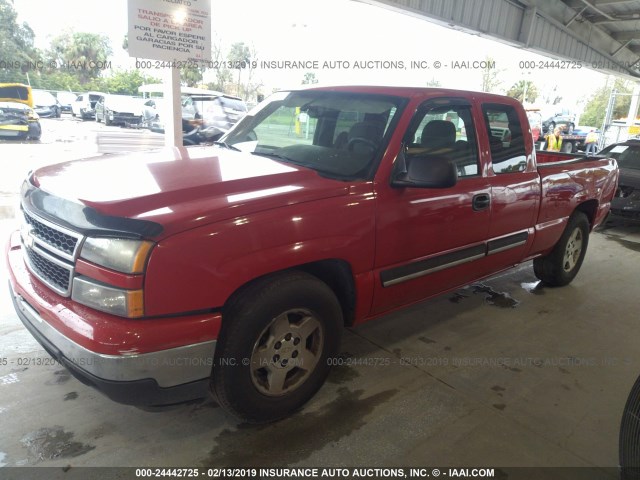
178	188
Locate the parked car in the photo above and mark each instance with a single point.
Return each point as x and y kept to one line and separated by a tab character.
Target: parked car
85	104
211	113
46	105
626	203
248	259
119	110
66	99
563	118
217	113
17	119
152	109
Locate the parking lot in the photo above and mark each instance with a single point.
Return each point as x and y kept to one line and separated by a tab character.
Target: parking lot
502	372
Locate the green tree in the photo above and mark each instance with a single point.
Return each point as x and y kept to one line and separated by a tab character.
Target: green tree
191	75
524	91
122	82
434	83
223	76
491	76
596	108
309	78
240	57
16	44
56	80
82	50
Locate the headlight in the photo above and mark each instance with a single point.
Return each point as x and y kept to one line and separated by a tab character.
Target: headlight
124	303
32	115
120	254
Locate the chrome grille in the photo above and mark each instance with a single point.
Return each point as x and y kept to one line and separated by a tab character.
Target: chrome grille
60	239
50	252
50	272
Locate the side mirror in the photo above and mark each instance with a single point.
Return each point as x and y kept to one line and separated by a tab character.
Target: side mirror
425	171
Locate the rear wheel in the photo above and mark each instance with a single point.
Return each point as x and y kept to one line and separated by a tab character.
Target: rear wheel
276	339
563	263
567	147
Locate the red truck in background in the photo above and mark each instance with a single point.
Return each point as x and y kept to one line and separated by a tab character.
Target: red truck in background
160	277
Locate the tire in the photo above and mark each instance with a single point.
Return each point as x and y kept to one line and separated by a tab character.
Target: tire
629	441
561	266
567	147
292	315
36	134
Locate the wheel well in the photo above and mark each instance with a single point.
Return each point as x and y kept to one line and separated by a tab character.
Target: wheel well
338	276
589	208
333	272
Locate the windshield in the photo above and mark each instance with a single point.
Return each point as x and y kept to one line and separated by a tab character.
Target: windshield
339	134
627	156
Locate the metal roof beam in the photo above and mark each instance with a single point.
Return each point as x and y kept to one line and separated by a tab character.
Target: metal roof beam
594	7
576	16
626	36
604	3
627	17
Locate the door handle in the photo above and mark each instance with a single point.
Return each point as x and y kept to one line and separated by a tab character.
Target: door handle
481	201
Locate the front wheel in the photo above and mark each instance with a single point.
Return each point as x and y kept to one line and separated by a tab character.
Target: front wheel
273	353
563	263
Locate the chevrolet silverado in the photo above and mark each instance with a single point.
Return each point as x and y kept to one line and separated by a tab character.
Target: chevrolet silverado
161	277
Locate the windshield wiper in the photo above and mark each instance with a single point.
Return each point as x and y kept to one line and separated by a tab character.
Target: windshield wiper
279	157
227	146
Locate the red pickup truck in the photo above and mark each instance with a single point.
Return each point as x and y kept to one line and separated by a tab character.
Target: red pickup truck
160	277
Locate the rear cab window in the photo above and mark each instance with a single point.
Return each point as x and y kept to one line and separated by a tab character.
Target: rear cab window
506	138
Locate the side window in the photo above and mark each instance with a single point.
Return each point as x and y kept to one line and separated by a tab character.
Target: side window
445	128
506	139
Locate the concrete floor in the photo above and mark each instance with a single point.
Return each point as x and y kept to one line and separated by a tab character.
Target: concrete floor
499	374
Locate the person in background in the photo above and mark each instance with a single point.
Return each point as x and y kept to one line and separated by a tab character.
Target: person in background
554	140
591	142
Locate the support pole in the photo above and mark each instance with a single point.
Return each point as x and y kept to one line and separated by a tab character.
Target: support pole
173	102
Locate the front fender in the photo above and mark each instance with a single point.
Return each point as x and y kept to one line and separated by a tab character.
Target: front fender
199	269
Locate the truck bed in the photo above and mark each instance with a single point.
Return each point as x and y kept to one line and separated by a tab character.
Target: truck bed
569	180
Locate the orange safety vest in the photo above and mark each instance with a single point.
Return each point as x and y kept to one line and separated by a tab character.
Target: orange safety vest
592	137
554	143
